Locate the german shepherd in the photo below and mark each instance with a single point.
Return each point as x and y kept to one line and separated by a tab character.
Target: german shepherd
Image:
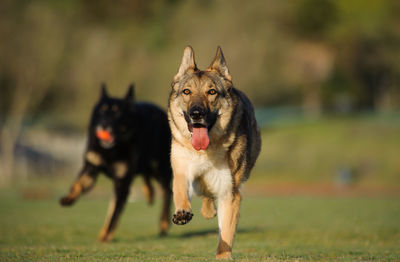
126	139
215	144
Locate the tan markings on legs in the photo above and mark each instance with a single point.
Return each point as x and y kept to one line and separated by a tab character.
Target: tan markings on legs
120	169
86	181
228	216
208	207
105	234
76	190
179	186
83	183
165	213
148	190
94	158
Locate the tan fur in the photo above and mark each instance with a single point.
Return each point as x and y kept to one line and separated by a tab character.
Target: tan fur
107	234
179	186
165	218
94	158
76	190
230	205
148	190
234	145
81	185
208	210
121	168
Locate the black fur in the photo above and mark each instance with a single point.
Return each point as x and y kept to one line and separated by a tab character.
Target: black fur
141	139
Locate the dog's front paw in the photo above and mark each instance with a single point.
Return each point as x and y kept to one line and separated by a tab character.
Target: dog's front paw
67	201
182	217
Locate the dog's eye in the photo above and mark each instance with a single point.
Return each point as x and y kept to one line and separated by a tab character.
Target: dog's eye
186	91
114	108
103	108
212	92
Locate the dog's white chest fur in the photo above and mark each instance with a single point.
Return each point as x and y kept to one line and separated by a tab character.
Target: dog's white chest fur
213	172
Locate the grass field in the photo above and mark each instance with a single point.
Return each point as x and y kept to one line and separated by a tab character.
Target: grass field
270	229
293	207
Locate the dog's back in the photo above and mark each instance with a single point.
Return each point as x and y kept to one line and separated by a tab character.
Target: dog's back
152	138
249	128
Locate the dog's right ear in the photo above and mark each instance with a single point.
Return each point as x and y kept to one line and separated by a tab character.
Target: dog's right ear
130	95
187	62
103	91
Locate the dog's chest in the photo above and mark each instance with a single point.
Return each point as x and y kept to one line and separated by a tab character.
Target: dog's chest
210	175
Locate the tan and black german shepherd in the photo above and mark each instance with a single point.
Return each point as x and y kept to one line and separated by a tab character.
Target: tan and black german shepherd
215	144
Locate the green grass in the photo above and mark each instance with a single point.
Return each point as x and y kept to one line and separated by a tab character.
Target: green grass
316	150
270	229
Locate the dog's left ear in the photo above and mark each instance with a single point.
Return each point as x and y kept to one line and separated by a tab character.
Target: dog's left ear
219	65
130	95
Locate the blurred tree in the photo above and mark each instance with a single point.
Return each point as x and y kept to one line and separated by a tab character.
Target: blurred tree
367	40
314	18
32	59
313	58
314	53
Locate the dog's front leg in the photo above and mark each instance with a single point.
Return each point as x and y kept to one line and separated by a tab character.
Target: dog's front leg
228	216
82	184
183	210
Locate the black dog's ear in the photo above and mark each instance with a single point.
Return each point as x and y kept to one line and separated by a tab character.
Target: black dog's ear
130	95
104	91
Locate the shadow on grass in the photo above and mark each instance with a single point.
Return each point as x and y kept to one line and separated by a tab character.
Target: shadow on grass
190	234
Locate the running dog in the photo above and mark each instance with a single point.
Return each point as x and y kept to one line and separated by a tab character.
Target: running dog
126	139
215	144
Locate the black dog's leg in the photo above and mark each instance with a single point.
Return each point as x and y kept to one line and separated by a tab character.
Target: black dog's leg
115	208
148	189
85	181
166	209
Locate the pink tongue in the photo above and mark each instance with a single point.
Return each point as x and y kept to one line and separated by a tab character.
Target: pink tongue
200	138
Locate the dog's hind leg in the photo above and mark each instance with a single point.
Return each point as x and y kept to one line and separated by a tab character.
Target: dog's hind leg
114	210
208	207
148	190
82	184
166	209
228	216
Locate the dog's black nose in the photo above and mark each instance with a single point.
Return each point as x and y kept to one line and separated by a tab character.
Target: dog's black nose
197	112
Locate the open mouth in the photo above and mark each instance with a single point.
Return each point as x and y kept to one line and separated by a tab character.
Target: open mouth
105	137
200	139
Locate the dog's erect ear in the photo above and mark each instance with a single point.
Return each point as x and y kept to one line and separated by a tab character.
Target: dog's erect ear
103	91
187	62
130	95
219	65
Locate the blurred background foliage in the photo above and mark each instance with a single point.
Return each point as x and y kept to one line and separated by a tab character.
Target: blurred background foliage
306	59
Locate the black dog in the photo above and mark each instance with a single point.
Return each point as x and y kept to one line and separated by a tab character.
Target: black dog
126	139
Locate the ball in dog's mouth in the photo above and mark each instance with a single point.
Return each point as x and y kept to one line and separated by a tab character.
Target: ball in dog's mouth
106	138
200	139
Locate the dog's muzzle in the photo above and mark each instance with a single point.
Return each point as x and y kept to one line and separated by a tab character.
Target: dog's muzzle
197	113
105	136
198	127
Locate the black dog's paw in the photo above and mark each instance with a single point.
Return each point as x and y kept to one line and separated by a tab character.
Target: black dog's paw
182	217
67	201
